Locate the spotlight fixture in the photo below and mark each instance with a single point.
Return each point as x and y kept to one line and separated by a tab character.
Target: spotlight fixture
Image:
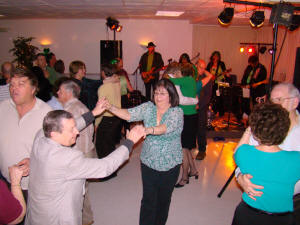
295	22
271	51
257	19
113	24
250	50
225	16
119	28
242	49
262	50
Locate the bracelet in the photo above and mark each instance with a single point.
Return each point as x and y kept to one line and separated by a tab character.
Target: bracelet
152	130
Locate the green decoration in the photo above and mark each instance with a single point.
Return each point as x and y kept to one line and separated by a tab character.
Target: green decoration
24	52
46	51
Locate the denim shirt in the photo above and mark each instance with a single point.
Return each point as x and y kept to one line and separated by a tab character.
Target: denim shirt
160	152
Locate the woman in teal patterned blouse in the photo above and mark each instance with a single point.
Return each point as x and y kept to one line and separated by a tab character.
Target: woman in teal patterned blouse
161	154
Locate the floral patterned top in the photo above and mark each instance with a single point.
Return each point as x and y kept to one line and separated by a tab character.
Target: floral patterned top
160	152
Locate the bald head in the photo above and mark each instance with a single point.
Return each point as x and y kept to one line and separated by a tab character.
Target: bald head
201	65
287	95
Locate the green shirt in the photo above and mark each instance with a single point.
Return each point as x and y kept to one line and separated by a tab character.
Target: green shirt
160	152
150	62
188	88
123	83
52	75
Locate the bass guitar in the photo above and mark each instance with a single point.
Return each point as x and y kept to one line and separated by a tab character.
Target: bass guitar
149	75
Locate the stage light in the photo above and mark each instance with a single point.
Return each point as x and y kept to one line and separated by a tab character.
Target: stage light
113	24
271	51
119	28
250	50
295	22
262	50
225	16
242	49
257	19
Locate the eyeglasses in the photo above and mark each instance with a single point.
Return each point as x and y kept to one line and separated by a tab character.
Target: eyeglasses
161	93
280	100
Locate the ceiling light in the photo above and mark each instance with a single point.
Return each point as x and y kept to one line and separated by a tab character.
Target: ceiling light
225	16
168	13
257	19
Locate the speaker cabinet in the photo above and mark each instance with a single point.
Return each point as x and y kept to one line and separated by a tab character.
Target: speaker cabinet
110	50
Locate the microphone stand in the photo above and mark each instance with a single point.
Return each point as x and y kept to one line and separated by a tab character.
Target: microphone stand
135	73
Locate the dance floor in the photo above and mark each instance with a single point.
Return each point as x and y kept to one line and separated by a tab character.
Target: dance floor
117	201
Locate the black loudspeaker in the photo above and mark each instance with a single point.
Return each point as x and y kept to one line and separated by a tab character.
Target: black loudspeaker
296	80
110	50
282	14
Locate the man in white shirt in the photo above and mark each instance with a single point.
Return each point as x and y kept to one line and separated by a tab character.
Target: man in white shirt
20	118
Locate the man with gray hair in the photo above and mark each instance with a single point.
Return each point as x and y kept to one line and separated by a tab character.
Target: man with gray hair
58	171
287	95
68	95
7	69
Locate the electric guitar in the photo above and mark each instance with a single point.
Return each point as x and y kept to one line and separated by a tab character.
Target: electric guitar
220	77
149	75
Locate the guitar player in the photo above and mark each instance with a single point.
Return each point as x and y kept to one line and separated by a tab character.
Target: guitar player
150	63
254	78
218	69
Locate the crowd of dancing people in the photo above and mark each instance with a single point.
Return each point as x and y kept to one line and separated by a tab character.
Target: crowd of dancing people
60	129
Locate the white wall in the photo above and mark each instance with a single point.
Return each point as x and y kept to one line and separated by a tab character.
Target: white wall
207	39
80	39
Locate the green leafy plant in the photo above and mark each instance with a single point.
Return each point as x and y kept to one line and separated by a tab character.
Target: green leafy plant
24	51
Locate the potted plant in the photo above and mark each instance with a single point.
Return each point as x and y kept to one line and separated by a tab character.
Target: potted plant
24	51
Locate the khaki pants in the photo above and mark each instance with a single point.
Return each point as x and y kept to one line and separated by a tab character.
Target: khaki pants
87	212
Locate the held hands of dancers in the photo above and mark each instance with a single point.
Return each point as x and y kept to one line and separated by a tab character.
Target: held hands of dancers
100	107
136	133
15	174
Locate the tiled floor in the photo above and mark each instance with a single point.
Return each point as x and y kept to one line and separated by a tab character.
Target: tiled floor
117	201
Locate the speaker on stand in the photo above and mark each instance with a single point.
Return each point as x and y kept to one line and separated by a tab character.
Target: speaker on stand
110	50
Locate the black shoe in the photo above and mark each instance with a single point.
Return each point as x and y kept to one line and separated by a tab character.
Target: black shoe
196	175
181	183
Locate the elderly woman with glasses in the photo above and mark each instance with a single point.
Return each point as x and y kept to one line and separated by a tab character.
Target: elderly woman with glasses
161	154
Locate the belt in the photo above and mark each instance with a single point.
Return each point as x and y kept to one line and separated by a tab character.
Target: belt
266	213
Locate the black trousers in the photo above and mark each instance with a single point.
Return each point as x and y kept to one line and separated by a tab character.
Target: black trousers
108	135
217	101
124	105
158	187
201	134
246	216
